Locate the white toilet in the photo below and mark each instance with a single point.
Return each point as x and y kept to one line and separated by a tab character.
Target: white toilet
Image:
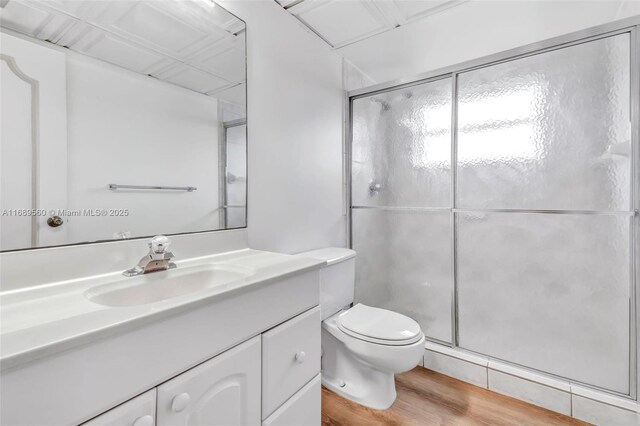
362	347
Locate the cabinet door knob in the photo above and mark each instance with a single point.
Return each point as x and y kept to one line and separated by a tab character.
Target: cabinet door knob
300	357
180	402
144	421
54	221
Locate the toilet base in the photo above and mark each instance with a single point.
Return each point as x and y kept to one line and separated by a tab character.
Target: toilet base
383	399
353	379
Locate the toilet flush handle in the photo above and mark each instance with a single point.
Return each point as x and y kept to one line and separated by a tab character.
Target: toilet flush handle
300	357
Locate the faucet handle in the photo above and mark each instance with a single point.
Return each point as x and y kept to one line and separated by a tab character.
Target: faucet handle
159	244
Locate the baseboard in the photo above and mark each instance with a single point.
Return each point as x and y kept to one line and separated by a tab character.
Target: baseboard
561	396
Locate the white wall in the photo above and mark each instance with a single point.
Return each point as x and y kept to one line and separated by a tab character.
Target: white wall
475	29
295	133
126	128
353	78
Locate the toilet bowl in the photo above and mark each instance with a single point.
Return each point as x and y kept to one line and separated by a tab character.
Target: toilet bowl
363	348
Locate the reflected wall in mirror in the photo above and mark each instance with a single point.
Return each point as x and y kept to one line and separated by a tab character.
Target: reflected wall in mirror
120	119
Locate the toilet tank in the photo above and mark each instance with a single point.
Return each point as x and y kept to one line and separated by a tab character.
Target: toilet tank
337	278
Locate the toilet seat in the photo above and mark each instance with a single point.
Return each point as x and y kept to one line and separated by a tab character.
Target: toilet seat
379	326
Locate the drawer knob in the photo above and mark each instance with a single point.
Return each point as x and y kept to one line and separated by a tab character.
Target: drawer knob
144	421
300	357
180	402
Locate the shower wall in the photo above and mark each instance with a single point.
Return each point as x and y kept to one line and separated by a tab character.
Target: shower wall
494	206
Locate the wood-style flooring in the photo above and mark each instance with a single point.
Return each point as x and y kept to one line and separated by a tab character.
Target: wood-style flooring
429	398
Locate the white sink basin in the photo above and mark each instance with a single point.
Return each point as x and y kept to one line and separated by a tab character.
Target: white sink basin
159	286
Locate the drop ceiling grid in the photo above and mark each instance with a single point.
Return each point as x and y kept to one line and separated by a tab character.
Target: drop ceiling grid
96	29
332	19
153	27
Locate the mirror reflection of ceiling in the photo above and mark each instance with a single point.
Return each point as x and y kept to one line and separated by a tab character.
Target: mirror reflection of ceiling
344	22
193	44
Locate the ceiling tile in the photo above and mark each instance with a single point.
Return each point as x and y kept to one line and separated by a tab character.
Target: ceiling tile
149	24
343	22
193	79
204	15
72	7
228	64
411	9
119	52
55	27
23	18
340	21
78	32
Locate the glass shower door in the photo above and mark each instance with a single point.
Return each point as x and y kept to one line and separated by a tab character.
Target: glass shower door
401	201
543	235
235	183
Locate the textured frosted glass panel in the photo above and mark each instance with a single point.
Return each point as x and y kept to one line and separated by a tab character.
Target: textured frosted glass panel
550	131
236	176
402	141
550	292
404	264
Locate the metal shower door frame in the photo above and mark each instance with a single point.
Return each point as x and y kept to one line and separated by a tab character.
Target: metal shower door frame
222	167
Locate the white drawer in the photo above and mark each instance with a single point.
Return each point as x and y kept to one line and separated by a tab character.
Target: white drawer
302	409
290	358
139	411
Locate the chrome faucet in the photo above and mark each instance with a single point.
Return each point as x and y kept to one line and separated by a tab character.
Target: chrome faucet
158	258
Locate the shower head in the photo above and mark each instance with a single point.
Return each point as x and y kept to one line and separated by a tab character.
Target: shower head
385	104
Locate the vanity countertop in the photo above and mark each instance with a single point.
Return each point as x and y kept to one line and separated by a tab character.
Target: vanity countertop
40	321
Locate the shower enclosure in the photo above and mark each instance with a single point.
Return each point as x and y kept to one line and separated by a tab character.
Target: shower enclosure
494	202
234	175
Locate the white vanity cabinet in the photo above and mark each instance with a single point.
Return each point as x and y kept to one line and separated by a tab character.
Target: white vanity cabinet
271	379
222	391
234	357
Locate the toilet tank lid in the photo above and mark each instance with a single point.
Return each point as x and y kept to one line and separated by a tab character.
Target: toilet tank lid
331	255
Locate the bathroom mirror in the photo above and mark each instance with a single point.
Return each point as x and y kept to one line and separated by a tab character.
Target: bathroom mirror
120	119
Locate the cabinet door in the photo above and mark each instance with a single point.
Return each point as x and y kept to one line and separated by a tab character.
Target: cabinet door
139	411
222	391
